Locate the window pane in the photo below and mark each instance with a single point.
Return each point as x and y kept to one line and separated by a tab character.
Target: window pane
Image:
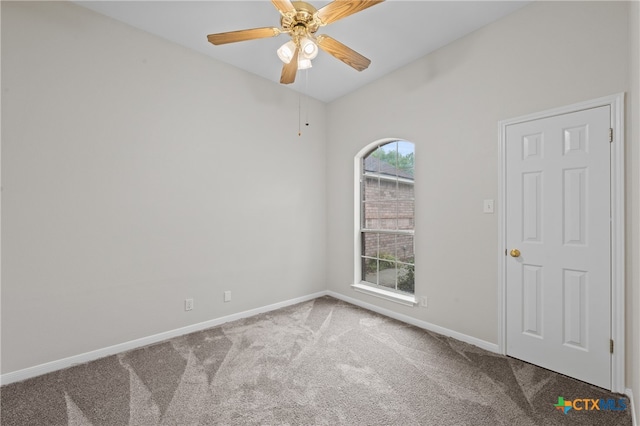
380	215
406	281
404	248
371	215
370	270
406	215
389	223
405	190
387	274
387	246
389	189
405	159
370	244
371	188
389	155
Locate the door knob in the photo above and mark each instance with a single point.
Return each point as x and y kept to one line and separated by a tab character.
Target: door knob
515	253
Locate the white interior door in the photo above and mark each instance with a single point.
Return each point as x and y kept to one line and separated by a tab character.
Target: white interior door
558	287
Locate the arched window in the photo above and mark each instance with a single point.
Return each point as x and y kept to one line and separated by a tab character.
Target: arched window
387	216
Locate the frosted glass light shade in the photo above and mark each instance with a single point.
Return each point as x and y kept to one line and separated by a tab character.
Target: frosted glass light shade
286	51
304	63
308	48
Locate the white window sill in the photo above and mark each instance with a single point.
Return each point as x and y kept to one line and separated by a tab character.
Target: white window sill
403	299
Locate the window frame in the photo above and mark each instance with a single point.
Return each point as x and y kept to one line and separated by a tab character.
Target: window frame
358	282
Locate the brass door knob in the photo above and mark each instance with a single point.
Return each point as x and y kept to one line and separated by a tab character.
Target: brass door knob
515	253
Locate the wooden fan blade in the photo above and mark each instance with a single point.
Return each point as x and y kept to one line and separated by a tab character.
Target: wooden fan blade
283	6
342	52
243	35
339	9
289	70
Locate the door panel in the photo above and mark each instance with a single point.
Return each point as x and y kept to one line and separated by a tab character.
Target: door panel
531	208
532	300
574	214
558	217
575	308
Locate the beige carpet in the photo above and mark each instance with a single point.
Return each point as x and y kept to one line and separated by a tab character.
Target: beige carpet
322	362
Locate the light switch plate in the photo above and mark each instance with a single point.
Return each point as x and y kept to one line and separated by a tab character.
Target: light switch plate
488	206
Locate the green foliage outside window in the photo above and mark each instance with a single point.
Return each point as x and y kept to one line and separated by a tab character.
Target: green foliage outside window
404	162
406	272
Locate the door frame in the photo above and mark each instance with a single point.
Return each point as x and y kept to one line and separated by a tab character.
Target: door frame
616	103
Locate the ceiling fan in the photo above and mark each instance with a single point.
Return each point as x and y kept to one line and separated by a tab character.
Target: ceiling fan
301	21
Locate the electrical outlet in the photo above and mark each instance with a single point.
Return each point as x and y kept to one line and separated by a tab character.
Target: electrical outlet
227	296
188	304
423	301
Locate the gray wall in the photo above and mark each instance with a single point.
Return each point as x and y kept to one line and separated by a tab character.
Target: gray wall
449	103
136	174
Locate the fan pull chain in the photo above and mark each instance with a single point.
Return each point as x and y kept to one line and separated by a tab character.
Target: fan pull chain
306	104
299	115
306	101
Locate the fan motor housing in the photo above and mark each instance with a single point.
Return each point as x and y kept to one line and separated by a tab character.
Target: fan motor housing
303	19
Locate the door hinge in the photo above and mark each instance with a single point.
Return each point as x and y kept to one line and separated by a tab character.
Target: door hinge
610	135
611	346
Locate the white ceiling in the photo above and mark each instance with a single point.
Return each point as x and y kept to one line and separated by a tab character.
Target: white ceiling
391	34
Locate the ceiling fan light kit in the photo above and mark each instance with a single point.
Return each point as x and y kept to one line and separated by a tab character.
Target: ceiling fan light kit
301	21
309	48
308	51
286	51
304	64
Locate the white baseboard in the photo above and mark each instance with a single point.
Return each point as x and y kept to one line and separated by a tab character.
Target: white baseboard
634	419
491	347
38	370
